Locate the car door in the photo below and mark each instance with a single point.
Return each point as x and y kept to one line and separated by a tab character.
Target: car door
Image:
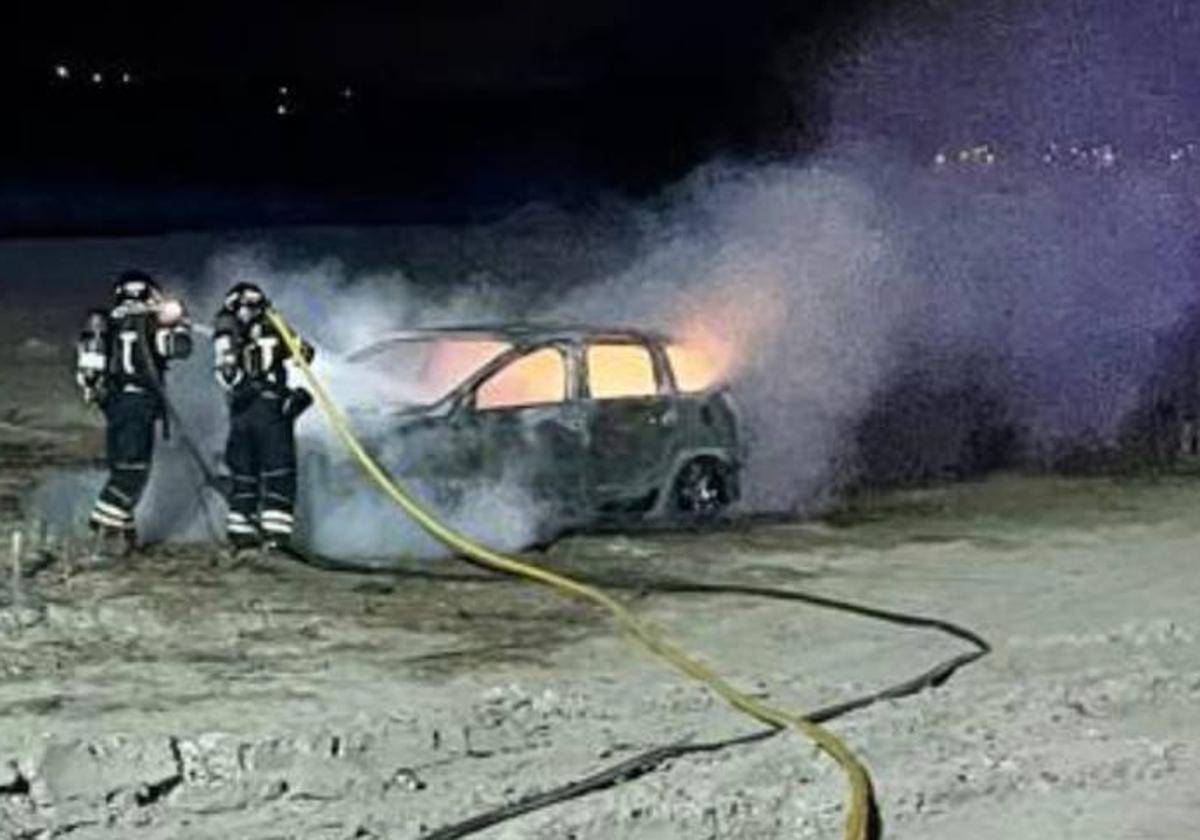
525	419
632	424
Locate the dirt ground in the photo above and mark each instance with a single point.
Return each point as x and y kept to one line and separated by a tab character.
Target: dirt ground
173	697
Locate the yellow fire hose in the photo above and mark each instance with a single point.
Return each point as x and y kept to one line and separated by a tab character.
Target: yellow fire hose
860	799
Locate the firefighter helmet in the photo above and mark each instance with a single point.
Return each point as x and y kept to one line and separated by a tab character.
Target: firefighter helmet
137	286
245	301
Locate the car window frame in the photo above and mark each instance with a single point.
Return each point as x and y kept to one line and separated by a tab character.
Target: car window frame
667	386
663	387
511	357
453	399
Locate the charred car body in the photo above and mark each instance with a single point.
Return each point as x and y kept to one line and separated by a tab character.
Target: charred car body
595	424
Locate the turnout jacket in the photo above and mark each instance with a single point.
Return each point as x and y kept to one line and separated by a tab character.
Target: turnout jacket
126	349
250	358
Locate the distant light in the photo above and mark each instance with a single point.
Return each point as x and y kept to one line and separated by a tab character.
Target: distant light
284	90
62	71
347	93
97	78
126	78
281	109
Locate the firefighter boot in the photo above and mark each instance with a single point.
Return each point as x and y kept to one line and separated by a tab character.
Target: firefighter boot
107	545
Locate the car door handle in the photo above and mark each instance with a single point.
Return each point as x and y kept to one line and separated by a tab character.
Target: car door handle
666	419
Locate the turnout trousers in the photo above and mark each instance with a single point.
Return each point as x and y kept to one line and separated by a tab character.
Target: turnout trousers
129	443
261	454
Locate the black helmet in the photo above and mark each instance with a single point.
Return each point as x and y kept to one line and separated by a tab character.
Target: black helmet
245	300
135	285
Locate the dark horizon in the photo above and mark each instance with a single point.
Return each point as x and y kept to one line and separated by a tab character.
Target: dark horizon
391	114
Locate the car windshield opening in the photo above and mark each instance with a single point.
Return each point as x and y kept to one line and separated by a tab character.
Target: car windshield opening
423	371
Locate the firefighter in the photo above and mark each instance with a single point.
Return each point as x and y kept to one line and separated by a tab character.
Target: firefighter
121	362
250	357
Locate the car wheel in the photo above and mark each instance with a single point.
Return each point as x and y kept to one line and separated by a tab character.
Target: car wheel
702	488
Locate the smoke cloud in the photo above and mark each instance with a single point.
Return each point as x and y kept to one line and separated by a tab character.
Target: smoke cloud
987	264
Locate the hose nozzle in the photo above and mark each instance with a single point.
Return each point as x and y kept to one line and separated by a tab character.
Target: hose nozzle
170	311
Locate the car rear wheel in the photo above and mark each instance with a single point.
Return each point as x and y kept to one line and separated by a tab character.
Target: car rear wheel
702	488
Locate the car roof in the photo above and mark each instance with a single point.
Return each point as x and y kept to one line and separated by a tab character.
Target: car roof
516	333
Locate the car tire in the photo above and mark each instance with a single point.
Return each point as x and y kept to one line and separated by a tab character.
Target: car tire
701	489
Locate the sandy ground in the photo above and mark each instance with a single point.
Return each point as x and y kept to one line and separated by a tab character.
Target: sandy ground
169	697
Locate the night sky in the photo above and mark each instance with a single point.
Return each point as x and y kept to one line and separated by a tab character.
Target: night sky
147	117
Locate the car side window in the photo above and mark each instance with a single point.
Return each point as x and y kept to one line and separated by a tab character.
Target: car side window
694	369
537	378
618	371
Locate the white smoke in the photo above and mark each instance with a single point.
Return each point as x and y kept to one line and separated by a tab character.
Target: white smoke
794	267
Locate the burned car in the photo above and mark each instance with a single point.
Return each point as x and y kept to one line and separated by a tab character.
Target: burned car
595	424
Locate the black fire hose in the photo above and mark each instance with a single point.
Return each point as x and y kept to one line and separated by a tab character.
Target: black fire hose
646	762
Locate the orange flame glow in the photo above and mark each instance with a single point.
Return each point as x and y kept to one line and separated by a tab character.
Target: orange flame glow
450	362
702	357
536	379
423	372
722	331
620	370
